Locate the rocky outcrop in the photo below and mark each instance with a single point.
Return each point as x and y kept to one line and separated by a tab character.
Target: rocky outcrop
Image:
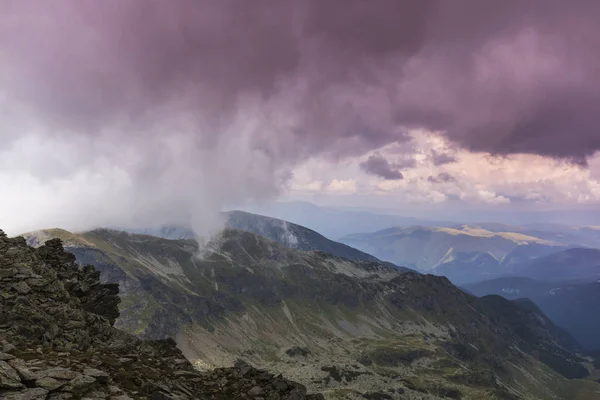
58	341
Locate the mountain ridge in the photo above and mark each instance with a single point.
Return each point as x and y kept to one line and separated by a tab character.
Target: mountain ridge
287	233
249	297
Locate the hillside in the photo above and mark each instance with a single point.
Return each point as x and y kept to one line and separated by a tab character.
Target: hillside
58	341
574	307
349	329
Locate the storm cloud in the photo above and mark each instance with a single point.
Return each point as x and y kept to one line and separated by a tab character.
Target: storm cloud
442	177
377	165
441	158
219	100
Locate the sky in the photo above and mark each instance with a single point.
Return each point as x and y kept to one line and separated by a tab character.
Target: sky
140	112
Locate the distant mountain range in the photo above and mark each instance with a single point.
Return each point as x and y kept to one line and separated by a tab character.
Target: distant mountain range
571	264
339	326
573	306
568	227
335	222
462	253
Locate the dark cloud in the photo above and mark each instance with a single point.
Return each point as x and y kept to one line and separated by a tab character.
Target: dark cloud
442	177
377	165
503	77
268	83
441	158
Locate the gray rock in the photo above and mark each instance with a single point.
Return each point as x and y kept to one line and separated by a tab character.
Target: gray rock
256	391
24	372
80	384
7	273
9	379
95	396
21	287
298	393
115	390
6	356
49	383
59	373
187	373
100	376
60	396
27	394
8	348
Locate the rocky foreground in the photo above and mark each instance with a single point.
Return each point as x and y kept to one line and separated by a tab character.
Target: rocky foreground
58	341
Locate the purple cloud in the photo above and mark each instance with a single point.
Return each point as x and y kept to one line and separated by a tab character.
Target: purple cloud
441	158
377	165
442	177
503	77
220	100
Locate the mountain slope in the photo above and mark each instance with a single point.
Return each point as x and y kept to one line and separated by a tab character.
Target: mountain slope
58	341
575	307
346	328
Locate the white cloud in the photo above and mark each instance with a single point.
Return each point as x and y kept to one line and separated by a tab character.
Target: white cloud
338	186
476	178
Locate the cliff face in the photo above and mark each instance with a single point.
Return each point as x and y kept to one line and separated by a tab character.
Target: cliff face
58	340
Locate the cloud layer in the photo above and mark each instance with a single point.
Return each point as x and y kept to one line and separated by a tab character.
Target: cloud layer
190	105
472	180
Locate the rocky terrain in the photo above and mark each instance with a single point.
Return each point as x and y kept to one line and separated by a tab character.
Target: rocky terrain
347	329
58	341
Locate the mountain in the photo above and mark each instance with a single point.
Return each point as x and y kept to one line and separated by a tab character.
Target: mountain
58	342
292	235
571	264
334	222
346	328
462	253
574	307
581	236
286	233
